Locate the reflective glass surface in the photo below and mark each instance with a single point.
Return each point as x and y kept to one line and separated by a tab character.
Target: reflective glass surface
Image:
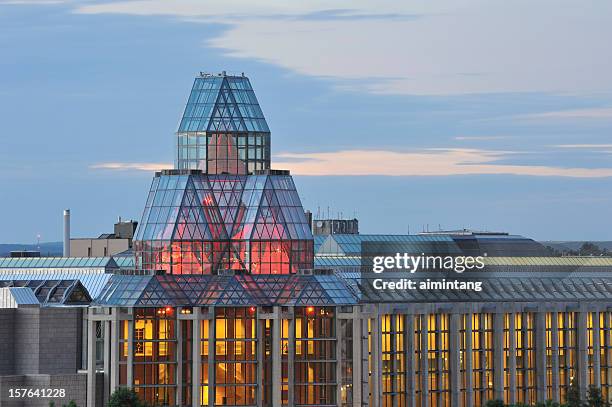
223	129
201	223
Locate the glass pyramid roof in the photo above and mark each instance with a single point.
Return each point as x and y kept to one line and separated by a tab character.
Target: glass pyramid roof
221	103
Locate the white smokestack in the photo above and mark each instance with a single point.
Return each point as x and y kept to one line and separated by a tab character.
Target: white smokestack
66	232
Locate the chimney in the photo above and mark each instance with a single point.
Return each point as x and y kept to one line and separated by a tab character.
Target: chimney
66	232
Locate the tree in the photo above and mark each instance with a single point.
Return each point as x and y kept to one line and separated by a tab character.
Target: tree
573	395
495	403
125	398
70	404
595	398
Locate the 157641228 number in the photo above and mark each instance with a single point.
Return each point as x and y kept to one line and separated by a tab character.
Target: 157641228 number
36	393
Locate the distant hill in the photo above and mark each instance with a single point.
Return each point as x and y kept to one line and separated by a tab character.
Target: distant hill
571	247
46	249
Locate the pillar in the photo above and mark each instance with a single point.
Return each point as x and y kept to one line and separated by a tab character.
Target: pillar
291	362
114	350
583	354
376	362
91	361
409	359
498	356
196	356
212	353
130	353
596	351
357	359
469	387
277	377
261	327
454	359
555	356
178	334
339	359
512	356
107	360
540	355
424	361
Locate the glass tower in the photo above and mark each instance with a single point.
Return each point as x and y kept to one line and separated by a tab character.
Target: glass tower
223	208
223	129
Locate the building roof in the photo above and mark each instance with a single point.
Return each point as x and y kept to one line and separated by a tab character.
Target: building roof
21	296
207	290
56	262
508	288
350	245
222	103
94	281
48	292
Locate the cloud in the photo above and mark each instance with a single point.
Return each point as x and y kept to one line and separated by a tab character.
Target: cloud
581	146
429	162
437	48
131	166
588	113
479	138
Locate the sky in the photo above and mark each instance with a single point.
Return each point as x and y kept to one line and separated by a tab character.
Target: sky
490	115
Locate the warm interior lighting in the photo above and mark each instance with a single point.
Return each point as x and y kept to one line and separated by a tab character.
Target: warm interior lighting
310	310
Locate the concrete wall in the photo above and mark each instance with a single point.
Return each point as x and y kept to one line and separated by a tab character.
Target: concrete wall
6	341
97	247
26	340
41	341
74	385
60	340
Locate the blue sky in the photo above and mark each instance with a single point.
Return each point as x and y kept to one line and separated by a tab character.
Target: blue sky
495	115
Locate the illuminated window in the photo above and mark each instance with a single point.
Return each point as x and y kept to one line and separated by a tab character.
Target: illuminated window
235	356
154	355
315	356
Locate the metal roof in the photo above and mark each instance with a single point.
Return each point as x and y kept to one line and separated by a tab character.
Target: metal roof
500	289
175	290
57	262
94	281
23	296
51	292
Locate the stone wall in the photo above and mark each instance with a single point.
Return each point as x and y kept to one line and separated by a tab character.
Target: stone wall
74	385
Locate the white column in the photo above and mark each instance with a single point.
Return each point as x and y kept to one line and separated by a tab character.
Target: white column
277	377
339	359
107	360
114	349
454	359
469	387
178	335
376	362
212	355
357	358
596	351
291	362
498	352
196	356
512	356
540	348
130	353
583	355
424	361
555	356
261	326
91	361
409	359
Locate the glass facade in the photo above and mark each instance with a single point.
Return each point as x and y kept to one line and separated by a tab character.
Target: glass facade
154	361
200	224
223	129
